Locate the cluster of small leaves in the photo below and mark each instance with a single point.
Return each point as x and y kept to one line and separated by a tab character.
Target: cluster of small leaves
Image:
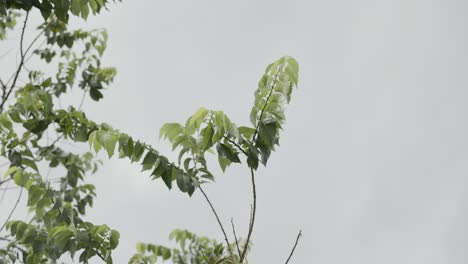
191	249
7	22
208	128
60	8
202	131
66	44
40	245
56	228
111	140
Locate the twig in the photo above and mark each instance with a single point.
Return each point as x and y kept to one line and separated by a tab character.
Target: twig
252	215
30	46
12	210
217	218
235	237
237	145
295	245
265	105
20	66
4	193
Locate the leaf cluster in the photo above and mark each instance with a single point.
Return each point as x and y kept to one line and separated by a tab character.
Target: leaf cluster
62	9
190	249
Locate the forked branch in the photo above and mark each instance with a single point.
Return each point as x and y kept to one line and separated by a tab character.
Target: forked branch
217	218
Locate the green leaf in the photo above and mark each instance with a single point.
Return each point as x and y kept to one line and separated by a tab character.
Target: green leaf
30	163
108	141
149	160
228	152
126	145
159	168
170	131
138	151
267	133
167	176
183	181
223	162
206	137
95	94
193	123
20	178
114	239
10	171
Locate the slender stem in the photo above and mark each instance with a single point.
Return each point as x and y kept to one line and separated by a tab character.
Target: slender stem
265	105
294	248
12	210
237	145
217	218
235	237
20	66
252	215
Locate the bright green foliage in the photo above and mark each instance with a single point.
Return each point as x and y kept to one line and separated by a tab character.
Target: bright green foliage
57	229
191	249
60	8
208	128
64	47
111	140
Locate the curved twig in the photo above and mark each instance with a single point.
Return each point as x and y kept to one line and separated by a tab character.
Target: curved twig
12	210
235	237
295	245
252	215
20	66
217	218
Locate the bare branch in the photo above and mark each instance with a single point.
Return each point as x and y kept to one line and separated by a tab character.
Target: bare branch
12	210
295	245
235	237
20	66
217	218
237	145
252	215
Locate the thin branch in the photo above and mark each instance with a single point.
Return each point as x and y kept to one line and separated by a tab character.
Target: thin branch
20	66
12	210
4	193
252	215
237	145
203	254
295	245
30	46
221	260
4	181
217	218
265	105
235	237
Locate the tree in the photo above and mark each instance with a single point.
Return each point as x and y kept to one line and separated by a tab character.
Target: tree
30	113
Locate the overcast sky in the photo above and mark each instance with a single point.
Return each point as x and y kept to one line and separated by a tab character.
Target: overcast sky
373	159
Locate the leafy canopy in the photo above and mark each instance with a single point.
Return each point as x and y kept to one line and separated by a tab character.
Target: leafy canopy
58	229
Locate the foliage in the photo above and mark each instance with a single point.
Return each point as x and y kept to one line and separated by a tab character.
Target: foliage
191	249
59	8
57	229
58	205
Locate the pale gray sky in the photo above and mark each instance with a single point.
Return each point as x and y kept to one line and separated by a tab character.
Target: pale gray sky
373	159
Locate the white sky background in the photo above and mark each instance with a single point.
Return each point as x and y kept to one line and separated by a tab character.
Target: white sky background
373	159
